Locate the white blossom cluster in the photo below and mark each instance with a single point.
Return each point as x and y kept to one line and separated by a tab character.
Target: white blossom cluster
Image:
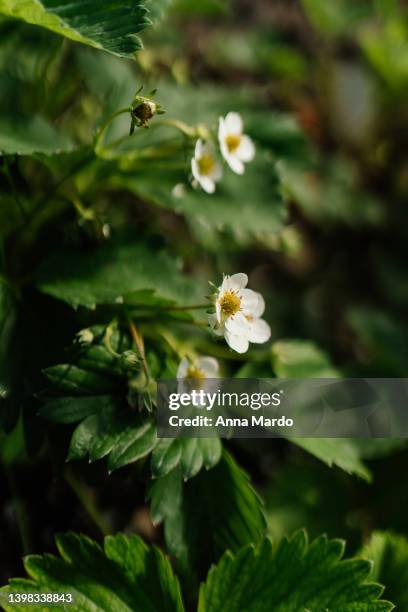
236	148
238	311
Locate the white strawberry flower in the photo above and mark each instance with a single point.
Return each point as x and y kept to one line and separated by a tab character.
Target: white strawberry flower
236	147
205	167
238	313
198	369
198	373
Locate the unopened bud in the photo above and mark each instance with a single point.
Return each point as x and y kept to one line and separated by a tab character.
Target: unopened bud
85	336
129	360
144	112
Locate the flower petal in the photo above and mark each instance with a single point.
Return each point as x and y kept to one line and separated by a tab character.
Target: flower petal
237	324
222	129
233	122
246	149
218	311
182	369
260	307
236	282
195	169
207	184
198	151
249	301
239	344
208	148
209	366
225	285
224	149
260	331
216	174
235	163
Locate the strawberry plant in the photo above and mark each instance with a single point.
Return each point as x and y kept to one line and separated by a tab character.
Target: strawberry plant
194	190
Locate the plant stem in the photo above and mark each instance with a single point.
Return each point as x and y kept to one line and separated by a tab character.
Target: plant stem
86	497
98	146
192	307
107	152
138	340
188	130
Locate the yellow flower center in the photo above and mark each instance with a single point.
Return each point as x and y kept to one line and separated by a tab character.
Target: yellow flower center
233	141
194	374
206	165
230	303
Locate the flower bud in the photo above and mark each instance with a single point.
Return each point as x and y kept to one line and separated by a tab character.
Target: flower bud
144	111
129	360
84	337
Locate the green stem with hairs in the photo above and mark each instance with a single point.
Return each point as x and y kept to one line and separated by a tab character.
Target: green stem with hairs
99	148
138	340
108	151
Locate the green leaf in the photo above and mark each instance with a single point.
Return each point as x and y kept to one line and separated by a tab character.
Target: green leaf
29	135
106	275
215	511
78	381
92	394
377	448
190	453
259	215
341	452
301	359
133	442
73	409
111	25
304	492
107	429
125	575
389	552
295	575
